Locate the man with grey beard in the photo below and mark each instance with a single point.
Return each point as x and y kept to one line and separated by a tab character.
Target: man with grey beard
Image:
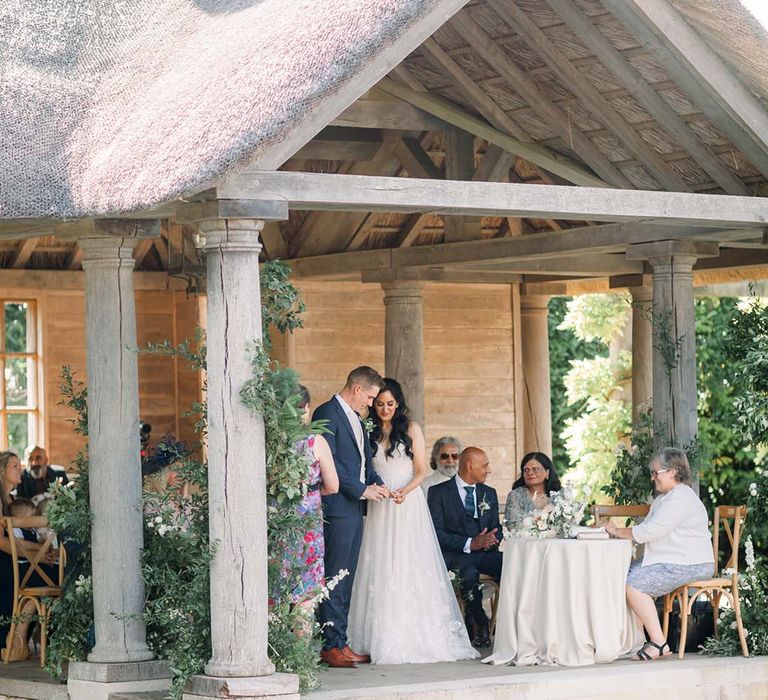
444	461
39	475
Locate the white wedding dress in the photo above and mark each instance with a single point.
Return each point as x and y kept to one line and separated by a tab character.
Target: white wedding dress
403	608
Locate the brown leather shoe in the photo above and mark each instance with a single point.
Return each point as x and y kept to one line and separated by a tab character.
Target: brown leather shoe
357	658
335	658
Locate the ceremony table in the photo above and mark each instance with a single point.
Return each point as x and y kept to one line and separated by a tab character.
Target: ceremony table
562	602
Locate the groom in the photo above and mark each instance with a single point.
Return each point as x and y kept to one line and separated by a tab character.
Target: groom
465	513
343	511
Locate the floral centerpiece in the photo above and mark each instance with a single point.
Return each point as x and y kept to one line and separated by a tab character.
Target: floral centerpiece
556	519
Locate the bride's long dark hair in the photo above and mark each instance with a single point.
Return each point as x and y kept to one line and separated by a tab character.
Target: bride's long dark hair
400	421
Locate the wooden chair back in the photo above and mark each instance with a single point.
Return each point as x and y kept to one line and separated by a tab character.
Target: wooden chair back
32	523
604	512
731	518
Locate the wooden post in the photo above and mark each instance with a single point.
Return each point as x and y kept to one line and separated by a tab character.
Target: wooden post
537	410
236	453
117	537
642	350
404	341
674	336
460	165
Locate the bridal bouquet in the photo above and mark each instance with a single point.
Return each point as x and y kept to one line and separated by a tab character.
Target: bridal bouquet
556	519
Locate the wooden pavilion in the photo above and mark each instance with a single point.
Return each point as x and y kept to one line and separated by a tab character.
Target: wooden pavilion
433	169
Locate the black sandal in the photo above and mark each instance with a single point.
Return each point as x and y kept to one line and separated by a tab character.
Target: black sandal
643	655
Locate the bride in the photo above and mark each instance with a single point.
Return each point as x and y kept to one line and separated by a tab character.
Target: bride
403	608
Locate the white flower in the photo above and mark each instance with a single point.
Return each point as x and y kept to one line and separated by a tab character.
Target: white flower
158	519
753	489
451	575
749	553
162	530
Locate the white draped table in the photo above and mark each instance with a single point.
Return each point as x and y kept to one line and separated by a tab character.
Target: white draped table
562	602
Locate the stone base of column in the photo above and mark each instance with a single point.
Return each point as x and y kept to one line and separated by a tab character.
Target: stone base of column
277	686
96	681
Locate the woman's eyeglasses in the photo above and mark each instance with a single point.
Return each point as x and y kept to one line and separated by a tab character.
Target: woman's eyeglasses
532	470
449	455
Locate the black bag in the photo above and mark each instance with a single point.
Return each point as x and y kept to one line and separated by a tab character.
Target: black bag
701	624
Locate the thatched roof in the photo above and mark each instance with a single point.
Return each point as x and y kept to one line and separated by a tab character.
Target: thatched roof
119	106
165	97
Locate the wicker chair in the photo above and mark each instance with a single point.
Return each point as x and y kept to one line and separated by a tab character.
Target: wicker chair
713	588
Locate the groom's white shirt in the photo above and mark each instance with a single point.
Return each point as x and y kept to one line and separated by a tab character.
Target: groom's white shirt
357	430
460	484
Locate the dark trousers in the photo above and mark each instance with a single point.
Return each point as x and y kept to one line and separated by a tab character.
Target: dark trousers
470	566
343	537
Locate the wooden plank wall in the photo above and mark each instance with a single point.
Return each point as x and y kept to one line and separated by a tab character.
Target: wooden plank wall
166	388
468	358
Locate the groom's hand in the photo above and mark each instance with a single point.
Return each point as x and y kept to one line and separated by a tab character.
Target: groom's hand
374	492
483	540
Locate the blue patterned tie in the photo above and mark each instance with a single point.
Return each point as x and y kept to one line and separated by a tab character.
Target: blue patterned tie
469	501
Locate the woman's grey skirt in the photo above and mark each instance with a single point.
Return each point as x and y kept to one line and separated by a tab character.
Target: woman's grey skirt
659	579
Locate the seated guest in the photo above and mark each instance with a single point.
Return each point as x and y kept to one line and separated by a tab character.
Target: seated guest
444	461
23	508
39	475
530	492
465	513
678	545
10	478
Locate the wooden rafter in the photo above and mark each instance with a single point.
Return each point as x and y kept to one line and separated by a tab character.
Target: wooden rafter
584	91
140	251
698	70
533	153
617	63
492	54
74	259
23	252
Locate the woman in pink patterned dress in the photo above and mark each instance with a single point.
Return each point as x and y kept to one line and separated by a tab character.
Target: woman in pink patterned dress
323	480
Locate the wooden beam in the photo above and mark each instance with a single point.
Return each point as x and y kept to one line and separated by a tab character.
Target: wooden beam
75	280
75	258
460	165
140	251
414	158
610	238
359	193
587	264
538	155
389	114
23	252
700	72
571	135
452	276
658	108
337	143
306	242
589	96
345	93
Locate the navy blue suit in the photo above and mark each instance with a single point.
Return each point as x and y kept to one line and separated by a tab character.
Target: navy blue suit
343	518
453	526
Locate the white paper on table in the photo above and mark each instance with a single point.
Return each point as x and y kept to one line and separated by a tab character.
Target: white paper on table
589	533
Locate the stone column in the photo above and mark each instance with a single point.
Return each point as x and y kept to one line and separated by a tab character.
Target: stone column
674	336
236	453
642	350
113	450
404	341
534	341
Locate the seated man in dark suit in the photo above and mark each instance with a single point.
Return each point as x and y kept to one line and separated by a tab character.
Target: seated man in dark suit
39	475
465	513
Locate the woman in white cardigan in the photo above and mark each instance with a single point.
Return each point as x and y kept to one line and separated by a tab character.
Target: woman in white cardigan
678	545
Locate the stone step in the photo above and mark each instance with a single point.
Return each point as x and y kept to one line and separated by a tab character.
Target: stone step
144	695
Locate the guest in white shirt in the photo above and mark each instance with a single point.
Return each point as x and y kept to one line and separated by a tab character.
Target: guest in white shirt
678	545
444	461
